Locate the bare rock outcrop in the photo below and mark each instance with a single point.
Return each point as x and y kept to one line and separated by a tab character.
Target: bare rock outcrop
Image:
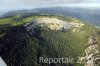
92	52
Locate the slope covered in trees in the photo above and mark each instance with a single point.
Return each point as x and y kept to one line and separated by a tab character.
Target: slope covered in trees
20	48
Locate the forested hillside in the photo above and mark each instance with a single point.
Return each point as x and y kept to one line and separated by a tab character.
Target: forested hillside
22	47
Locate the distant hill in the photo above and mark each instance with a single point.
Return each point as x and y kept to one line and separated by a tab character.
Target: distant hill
90	15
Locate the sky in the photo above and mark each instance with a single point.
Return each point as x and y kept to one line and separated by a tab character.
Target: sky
25	4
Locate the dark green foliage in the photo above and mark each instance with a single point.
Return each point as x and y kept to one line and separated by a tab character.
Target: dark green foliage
19	48
22	49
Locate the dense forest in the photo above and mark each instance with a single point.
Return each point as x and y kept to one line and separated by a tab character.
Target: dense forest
20	48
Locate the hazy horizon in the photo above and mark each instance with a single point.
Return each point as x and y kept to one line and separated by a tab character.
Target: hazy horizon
10	5
24	4
79	5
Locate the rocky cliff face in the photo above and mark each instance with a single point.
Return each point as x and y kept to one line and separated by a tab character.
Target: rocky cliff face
92	53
